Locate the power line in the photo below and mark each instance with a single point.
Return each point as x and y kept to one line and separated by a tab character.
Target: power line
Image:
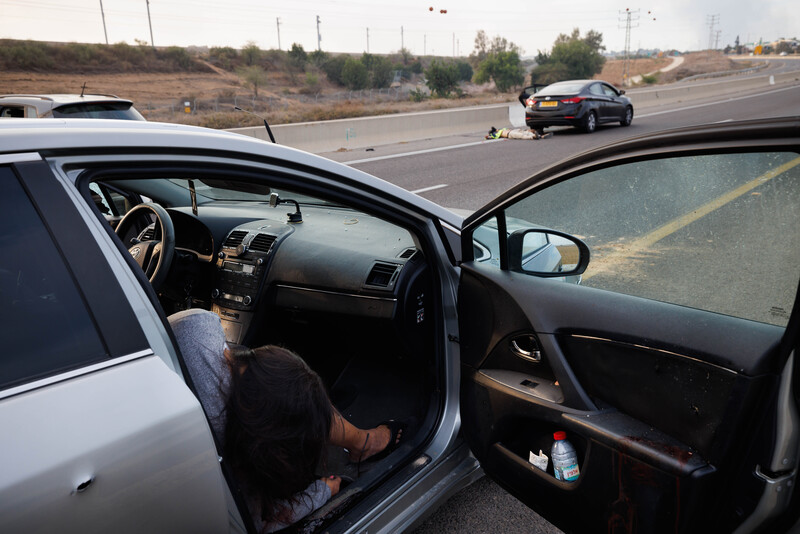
152	43
711	20
102	14
630	16
319	37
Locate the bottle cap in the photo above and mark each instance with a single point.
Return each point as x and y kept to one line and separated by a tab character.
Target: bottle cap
559	435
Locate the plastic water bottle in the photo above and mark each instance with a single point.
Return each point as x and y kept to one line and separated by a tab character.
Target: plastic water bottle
565	459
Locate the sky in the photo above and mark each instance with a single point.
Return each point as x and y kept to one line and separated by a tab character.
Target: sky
383	26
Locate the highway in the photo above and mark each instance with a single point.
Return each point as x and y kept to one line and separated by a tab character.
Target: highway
466	172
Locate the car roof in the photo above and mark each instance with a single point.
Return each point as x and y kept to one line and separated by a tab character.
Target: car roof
59	99
44	103
49	135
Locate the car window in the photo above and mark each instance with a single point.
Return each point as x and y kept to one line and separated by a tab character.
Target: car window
104	110
596	89
12	112
714	232
47	328
609	91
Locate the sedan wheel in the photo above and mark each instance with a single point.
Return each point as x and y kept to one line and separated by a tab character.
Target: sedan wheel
590	122
628	117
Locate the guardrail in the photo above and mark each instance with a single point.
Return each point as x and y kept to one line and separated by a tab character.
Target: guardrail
723	73
679	92
329	136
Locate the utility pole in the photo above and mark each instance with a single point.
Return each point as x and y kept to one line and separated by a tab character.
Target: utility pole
454	45
367	40
630	16
716	40
319	37
425	44
711	20
402	46
152	43
278	21
103	14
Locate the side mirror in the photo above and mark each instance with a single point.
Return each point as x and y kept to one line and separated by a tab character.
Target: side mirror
622	91
547	253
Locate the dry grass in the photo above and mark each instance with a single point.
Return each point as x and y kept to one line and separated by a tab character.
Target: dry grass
612	69
160	96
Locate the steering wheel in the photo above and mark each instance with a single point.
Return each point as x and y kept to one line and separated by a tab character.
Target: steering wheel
153	256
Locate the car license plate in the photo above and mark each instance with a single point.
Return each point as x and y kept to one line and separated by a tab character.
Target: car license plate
548	104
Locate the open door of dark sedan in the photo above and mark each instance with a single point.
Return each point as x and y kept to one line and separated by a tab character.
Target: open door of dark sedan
671	366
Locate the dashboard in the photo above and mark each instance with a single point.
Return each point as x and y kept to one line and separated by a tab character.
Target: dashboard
336	261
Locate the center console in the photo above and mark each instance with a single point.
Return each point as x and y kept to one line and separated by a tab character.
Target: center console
241	267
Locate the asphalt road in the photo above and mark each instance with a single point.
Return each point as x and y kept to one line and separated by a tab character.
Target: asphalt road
467	172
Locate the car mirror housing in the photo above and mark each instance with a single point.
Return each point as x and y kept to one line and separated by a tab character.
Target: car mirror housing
547	253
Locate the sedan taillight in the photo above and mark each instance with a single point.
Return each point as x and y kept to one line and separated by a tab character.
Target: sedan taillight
573	100
530	102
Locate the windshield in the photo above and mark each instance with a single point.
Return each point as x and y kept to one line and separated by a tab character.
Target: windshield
245	191
98	110
561	88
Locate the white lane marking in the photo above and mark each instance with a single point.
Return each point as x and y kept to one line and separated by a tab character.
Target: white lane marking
760	95
431	188
426	151
453	147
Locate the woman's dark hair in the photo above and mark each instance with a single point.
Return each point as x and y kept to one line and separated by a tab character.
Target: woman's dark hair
278	424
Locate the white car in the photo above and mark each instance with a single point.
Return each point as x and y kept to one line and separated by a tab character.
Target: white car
67	106
676	384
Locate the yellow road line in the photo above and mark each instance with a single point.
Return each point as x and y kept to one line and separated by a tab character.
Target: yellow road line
640	245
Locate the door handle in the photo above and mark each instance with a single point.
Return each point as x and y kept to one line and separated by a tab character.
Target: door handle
527	348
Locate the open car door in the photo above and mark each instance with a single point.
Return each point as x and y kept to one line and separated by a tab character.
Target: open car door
671	365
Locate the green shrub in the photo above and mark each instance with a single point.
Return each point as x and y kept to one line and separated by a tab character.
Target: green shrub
333	68
442	78
223	56
178	56
354	74
415	95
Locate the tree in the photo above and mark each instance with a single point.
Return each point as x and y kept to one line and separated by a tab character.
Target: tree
380	72
442	78
406	56
784	46
297	56
481	49
253	76
571	57
354	74
318	57
464	71
251	53
504	68
333	68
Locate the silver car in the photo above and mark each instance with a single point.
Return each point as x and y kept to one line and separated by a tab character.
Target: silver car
67	106
680	405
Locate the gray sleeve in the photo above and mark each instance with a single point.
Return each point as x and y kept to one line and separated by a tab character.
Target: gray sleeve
313	497
201	340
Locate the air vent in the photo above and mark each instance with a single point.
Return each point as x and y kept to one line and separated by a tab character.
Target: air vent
149	234
407	253
235	239
262	243
382	274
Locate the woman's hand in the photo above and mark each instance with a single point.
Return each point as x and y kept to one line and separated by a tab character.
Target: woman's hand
333	483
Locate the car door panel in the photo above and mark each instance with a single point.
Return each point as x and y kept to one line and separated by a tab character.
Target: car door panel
631	393
101	433
83	454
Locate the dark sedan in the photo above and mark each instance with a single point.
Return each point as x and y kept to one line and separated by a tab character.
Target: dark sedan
581	103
